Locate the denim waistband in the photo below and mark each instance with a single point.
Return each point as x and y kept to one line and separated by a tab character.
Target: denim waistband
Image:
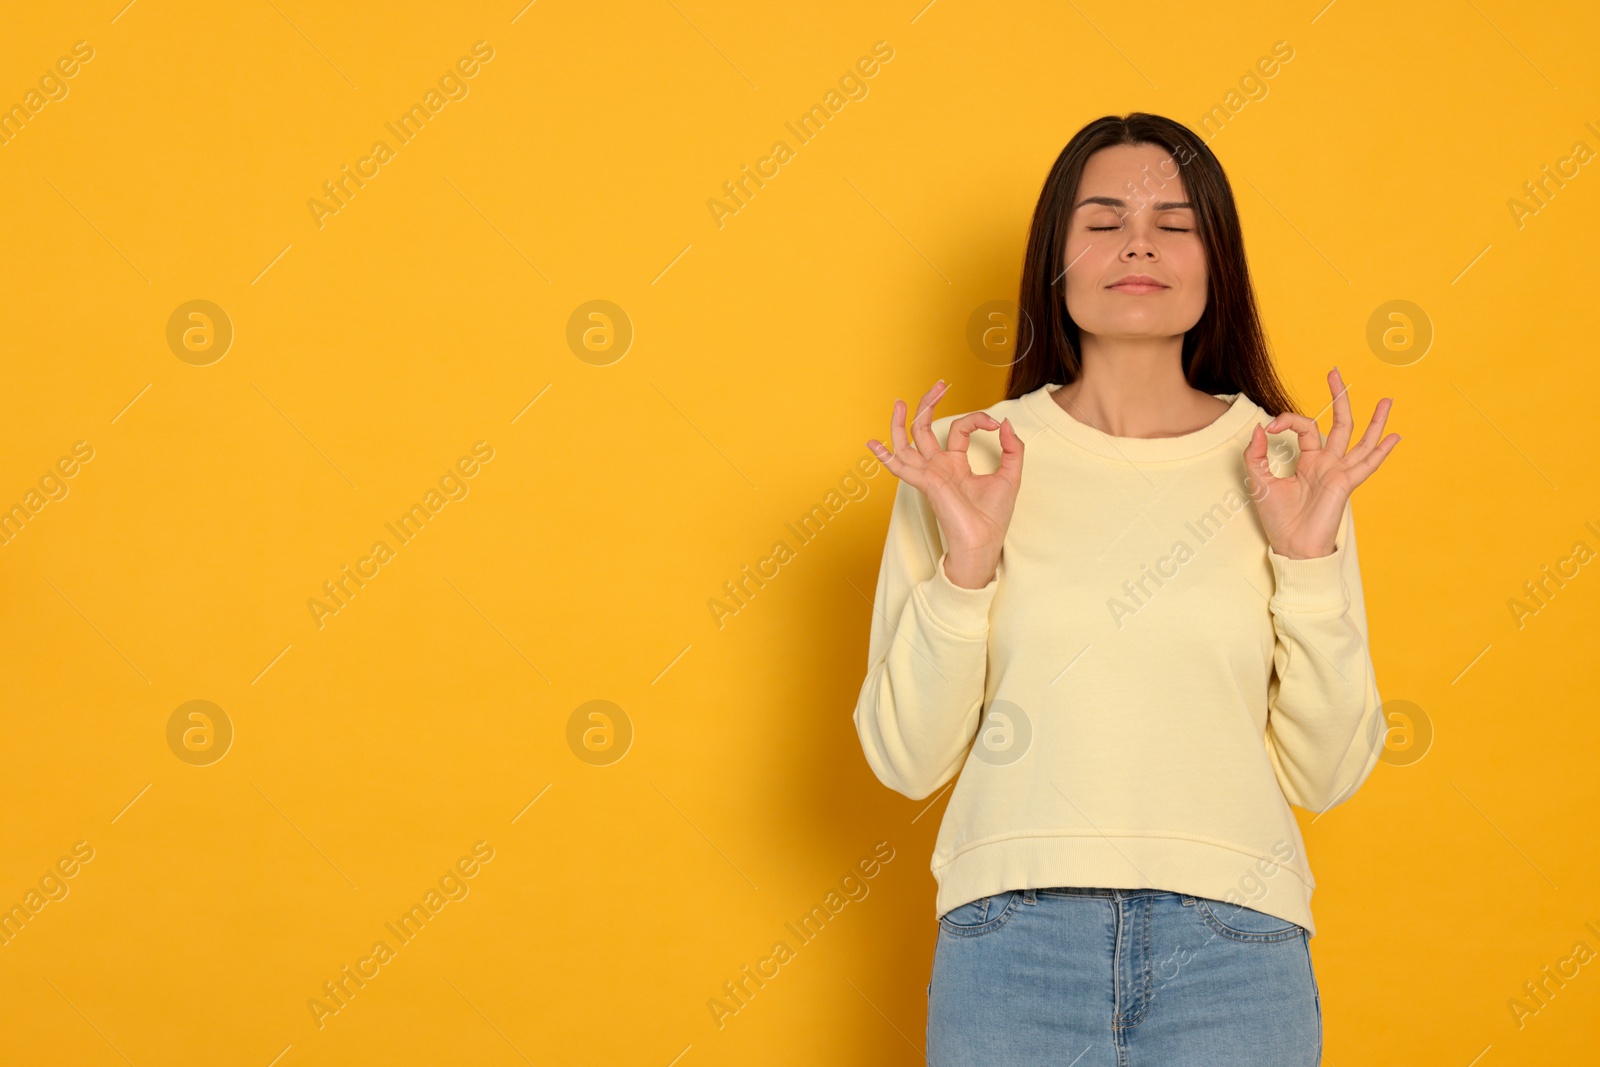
1095	891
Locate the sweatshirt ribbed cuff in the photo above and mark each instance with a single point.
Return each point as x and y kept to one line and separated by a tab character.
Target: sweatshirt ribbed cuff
960	610
1309	584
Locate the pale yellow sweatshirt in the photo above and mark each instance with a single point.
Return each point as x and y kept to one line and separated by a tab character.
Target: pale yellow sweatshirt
1155	685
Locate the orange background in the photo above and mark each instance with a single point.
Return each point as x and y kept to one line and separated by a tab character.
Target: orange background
434	310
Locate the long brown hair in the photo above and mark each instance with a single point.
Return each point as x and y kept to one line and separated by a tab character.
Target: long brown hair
1226	351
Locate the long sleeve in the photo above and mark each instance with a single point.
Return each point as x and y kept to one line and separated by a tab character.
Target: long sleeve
927	657
1324	727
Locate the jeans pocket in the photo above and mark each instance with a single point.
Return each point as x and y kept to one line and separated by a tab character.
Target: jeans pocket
1239	923
982	916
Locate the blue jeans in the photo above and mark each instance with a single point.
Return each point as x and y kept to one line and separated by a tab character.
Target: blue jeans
1077	977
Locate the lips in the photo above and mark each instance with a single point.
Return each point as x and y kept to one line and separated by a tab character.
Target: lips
1137	283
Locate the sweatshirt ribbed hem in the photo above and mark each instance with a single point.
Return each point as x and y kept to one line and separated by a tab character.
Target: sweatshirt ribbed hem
1114	861
964	612
1309	584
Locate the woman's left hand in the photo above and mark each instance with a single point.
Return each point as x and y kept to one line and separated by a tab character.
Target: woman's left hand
1301	513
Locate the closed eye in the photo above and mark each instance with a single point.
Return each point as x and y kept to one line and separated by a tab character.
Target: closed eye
1169	229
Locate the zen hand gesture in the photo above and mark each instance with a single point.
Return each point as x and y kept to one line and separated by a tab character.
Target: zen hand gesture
973	510
1301	513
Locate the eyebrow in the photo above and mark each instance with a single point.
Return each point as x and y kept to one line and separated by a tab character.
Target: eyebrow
1111	201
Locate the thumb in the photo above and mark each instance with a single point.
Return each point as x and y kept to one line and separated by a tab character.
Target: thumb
1010	452
1255	461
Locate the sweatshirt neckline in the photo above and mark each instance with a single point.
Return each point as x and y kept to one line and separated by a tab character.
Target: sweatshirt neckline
1239	414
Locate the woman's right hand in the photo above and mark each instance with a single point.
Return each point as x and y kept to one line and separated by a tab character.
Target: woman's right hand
973	510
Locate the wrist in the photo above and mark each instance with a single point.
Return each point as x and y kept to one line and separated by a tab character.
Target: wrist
970	570
1305	552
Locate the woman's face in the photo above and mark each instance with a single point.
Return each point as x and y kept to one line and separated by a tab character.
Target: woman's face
1132	217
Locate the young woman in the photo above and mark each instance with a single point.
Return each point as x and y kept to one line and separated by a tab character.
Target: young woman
1161	628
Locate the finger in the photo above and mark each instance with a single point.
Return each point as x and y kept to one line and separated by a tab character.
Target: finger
896	463
1380	415
1367	464
1011	449
961	429
882	453
906	463
922	424
1339	432
1305	428
897	428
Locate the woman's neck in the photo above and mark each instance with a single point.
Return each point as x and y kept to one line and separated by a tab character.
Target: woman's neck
1134	387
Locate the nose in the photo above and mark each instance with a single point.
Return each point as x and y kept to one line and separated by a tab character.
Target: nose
1140	243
